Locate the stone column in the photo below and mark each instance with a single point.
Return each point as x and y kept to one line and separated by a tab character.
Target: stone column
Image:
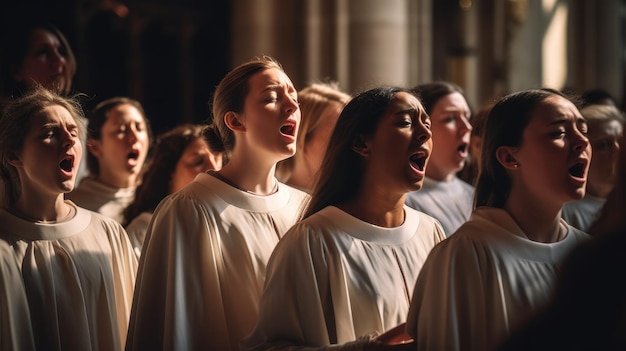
378	43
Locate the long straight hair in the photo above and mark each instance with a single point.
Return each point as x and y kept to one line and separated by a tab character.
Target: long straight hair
341	174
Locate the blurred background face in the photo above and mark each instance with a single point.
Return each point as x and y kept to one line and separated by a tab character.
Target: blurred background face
45	62
451	136
604	139
123	146
196	158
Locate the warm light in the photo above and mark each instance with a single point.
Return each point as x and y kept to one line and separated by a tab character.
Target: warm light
465	4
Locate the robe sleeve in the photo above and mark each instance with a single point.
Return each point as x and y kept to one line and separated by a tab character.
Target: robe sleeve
124	267
296	307
178	303
15	325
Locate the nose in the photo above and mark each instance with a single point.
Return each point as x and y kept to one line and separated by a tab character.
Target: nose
422	133
465	125
57	59
132	135
291	104
68	139
581	142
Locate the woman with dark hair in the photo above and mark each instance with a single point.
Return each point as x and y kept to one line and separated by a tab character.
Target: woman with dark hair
178	156
36	53
501	266
203	261
118	141
345	272
444	195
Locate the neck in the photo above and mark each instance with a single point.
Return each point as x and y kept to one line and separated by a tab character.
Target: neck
539	222
439	175
41	209
375	204
114	181
248	177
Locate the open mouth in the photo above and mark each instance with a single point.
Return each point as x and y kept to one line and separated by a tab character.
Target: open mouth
288	129
418	160
133	155
463	148
66	164
577	170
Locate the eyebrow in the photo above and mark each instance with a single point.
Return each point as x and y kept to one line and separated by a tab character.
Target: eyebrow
406	111
564	119
274	87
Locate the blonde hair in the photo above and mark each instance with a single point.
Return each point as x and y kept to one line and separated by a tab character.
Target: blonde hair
314	99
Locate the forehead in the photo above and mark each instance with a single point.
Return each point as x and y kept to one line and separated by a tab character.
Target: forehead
403	100
50	114
124	112
554	107
40	36
267	78
452	101
195	145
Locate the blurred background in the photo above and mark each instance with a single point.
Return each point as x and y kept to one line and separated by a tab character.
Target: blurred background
170	54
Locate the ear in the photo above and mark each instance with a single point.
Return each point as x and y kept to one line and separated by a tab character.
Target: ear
506	157
360	146
14	159
233	122
94	148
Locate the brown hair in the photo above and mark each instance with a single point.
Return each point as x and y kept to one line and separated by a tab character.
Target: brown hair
230	95
15	124
98	117
155	186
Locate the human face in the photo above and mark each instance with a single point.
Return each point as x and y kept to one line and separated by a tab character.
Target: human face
51	153
451	136
553	159
315	148
271	116
604	140
401	145
123	146
196	158
45	62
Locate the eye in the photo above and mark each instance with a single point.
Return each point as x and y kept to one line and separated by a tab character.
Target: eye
558	133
